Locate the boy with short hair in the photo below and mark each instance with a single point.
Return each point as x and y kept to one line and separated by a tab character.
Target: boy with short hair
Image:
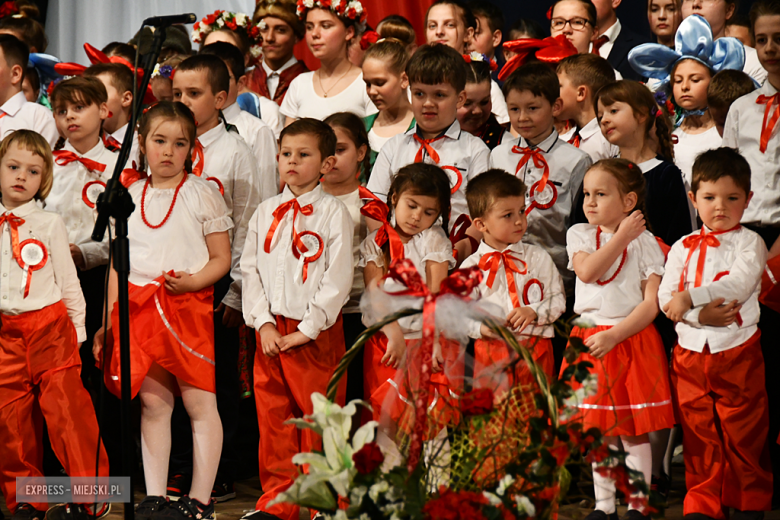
118	80
580	77
551	168
296	281
533	298
726	87
738	26
202	83
17	112
437	79
255	132
710	289
489	33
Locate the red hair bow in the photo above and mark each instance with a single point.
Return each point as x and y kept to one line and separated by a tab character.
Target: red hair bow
548	50
368	39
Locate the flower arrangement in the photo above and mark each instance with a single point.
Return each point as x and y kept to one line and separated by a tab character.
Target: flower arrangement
351	9
221	19
502	454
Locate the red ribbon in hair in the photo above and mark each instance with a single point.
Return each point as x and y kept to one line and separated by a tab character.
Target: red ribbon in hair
492	261
368	39
131	175
548	50
65	157
768	128
425	145
701	241
378	210
460	283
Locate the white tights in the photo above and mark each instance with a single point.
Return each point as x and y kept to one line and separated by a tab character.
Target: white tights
639	457
157	393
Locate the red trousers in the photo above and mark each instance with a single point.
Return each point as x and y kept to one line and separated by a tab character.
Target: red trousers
40	378
721	404
283	388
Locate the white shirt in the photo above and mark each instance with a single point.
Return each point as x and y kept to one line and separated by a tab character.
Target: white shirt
272	76
353	202
301	100
742	132
753	66
593	142
690	146
541	288
611	303
500	109
119	135
19	114
228	158
376	141
260	138
270	115
56	280
611	33
273	282
457	150
429	245
67	200
180	243
742	254
547	227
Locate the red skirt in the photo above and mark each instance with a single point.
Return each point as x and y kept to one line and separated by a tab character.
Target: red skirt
491	358
173	331
634	393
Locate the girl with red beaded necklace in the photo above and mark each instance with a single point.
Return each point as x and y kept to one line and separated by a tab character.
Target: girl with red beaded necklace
619	265
179	247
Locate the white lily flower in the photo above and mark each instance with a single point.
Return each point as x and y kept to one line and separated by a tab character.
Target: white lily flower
493	500
504	484
377	489
524	505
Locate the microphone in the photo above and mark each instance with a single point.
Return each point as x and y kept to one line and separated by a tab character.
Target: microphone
159	21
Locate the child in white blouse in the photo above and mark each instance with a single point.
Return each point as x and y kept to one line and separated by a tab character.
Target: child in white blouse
179	248
710	289
418	196
619	264
297	271
42	311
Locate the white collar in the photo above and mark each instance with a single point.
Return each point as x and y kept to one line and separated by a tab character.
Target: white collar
589	130
268	71
14	104
119	135
232	112
93	153
212	135
612	32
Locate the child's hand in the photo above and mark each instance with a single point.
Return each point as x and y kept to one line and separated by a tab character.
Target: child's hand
97	342
295	339
677	307
269	340
716	314
521	317
179	283
631	227
437	358
231	317
600	344
78	258
487	332
396	349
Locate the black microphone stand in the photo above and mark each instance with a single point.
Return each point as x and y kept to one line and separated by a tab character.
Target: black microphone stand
115	202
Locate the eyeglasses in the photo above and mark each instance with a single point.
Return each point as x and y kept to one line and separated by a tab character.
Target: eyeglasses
577	23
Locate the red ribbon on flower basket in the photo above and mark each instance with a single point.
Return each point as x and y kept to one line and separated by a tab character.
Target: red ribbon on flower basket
460	284
378	210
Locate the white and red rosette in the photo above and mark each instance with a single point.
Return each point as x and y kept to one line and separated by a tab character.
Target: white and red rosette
32	257
307	247
456	178
91	191
544	199
533	292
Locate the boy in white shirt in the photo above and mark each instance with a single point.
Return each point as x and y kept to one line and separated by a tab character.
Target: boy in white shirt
580	77
710	289
297	271
15	111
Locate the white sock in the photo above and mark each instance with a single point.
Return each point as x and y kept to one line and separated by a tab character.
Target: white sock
639	456
604	488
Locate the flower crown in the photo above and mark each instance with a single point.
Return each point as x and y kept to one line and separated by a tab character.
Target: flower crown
164	71
477	57
351	9
221	19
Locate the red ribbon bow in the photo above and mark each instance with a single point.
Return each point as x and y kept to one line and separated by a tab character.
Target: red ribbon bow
576	140
767	129
492	261
701	241
279	213
13	224
599	43
368	39
548	50
460	283
539	162
378	210
425	145
65	157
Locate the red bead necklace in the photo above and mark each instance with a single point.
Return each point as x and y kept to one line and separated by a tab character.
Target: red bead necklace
170	210
622	259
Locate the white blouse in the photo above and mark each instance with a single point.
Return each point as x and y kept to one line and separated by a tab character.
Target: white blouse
609	304
180	243
302	101
354	203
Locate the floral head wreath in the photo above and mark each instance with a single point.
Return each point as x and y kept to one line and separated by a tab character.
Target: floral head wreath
221	19
351	9
693	41
476	57
548	50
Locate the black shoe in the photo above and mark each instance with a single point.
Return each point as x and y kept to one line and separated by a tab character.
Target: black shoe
259	515
150	507
187	509
77	512
661	485
597	514
747	515
223	491
634	514
178	486
25	511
